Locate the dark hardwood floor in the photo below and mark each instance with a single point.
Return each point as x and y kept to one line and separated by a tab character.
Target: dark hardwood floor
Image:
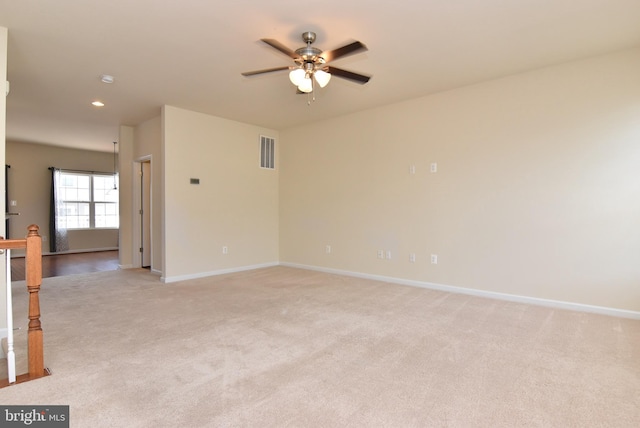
68	264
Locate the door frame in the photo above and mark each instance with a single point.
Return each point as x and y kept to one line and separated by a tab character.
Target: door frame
138	194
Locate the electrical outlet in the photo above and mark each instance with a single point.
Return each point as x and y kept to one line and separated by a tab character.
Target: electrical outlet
327	249
434	259
434	167
412	257
381	254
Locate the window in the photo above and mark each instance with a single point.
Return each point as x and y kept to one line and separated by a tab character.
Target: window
88	201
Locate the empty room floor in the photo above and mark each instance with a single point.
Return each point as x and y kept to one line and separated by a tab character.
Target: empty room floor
285	347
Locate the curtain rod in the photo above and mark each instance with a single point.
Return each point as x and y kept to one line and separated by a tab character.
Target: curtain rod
51	168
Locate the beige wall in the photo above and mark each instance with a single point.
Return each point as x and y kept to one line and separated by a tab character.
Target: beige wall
126	233
235	205
3	115
140	143
30	187
537	190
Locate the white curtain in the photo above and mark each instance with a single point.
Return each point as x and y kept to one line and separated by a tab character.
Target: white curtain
59	239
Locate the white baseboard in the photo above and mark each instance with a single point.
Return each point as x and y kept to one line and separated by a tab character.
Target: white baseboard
215	272
621	313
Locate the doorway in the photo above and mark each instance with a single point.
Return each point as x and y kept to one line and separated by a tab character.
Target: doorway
145	213
143	235
7	234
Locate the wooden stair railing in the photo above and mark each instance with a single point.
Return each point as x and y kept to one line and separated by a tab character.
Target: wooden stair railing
33	275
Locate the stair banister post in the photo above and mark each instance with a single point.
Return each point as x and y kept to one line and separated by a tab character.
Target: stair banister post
33	276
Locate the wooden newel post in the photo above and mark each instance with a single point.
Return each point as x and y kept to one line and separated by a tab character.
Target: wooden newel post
33	277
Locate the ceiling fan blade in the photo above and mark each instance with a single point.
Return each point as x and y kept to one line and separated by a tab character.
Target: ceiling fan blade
266	70
349	49
345	74
282	48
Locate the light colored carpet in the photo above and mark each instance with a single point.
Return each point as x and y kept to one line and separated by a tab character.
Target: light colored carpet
284	347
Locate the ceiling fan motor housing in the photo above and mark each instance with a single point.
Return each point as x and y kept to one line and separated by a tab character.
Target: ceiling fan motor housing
309	54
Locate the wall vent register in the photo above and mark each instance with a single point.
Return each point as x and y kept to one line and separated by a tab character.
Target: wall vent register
267	152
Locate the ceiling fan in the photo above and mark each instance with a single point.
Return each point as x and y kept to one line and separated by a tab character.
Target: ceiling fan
312	64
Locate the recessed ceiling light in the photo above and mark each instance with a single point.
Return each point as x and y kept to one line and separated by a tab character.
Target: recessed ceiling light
98	103
106	78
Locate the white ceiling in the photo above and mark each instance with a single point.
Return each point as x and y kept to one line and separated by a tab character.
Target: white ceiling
190	53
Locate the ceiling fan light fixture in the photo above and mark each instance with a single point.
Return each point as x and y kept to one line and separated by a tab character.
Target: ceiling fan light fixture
306	86
296	76
311	64
322	77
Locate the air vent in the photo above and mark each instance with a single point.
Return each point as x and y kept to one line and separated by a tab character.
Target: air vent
267	152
